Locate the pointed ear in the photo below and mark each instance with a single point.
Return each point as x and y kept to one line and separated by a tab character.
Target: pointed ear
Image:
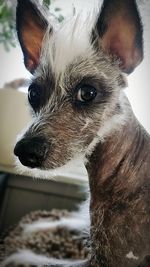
31	27
121	33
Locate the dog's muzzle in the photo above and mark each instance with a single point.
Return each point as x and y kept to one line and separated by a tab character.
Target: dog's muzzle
32	152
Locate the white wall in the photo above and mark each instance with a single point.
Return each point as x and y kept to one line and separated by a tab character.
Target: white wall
11	64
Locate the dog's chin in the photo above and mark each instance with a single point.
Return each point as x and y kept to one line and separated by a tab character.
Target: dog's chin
43	172
48	171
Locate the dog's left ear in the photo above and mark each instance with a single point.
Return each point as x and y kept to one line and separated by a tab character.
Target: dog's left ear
31	27
121	33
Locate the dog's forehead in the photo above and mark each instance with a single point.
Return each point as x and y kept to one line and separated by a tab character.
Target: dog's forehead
64	47
68	55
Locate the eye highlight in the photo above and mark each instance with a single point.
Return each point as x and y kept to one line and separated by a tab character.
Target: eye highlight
34	96
86	93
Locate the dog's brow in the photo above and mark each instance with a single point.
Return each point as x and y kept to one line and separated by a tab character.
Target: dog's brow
45	83
45	78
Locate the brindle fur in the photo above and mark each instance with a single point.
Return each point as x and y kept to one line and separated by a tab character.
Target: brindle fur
120	204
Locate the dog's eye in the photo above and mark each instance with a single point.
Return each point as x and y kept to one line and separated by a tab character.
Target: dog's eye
34	96
86	93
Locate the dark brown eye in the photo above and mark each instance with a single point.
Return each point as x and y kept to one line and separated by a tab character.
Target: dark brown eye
34	96
86	93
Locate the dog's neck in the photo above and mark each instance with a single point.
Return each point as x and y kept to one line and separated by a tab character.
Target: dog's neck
120	161
119	181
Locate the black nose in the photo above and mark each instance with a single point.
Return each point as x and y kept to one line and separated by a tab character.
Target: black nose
32	151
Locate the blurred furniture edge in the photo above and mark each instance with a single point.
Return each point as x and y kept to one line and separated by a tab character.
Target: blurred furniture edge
23	195
14	116
3	183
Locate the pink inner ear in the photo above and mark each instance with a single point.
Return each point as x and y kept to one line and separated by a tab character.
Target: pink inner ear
125	55
32	64
32	38
120	41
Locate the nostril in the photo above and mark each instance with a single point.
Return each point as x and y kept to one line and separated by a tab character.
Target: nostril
33	157
18	149
32	151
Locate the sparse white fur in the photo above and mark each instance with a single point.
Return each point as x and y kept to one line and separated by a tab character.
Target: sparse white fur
113	124
67	43
117	121
48	174
87	122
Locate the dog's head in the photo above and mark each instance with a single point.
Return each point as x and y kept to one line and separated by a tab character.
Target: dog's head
78	74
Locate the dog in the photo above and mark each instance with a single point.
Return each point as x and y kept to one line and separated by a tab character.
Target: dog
79	108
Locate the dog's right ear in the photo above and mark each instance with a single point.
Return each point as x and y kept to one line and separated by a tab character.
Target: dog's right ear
31	27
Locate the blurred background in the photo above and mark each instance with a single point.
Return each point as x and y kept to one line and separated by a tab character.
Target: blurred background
14	116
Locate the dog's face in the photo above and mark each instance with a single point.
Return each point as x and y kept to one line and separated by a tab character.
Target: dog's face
77	78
